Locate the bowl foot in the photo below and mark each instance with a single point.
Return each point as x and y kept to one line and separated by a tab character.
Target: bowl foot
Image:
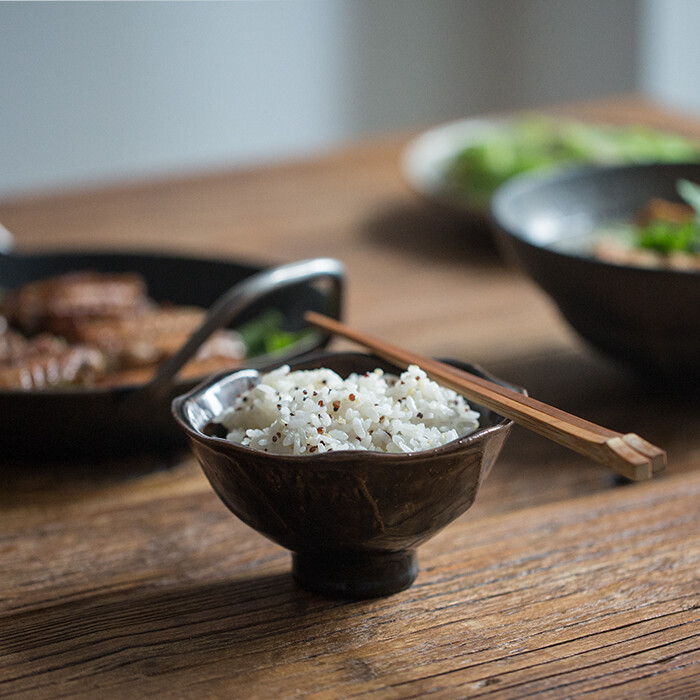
355	574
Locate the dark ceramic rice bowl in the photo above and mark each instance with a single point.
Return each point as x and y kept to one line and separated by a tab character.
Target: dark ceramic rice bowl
353	519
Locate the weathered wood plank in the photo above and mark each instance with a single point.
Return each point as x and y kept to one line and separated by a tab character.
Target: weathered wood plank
596	593
131	578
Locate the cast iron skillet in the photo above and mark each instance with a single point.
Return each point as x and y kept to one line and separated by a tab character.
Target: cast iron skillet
107	422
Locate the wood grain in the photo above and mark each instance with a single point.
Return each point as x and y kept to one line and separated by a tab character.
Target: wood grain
129	578
599	593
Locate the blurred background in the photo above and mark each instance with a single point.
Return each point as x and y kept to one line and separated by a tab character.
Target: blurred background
101	93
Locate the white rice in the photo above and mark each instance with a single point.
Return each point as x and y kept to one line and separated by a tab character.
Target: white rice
311	411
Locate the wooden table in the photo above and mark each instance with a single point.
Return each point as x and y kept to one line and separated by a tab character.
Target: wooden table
130	578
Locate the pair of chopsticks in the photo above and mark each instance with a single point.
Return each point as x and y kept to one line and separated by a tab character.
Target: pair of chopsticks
627	454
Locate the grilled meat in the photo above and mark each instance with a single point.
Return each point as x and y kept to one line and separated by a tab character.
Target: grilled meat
57	303
48	362
151	336
88	328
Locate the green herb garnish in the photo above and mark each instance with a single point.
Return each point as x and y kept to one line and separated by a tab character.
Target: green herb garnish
265	333
671	236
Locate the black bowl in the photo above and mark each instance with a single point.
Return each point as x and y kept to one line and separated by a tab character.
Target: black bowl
352	519
645	317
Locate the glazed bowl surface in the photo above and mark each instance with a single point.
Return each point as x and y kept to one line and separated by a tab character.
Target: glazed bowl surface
352	519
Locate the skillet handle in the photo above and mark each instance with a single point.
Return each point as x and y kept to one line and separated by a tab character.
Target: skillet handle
236	300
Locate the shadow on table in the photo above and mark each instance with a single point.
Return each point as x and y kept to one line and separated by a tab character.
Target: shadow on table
236	628
533	470
34	482
425	230
586	384
581	381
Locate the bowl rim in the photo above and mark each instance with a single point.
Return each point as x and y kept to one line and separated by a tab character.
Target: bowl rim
529	182
425	157
323	458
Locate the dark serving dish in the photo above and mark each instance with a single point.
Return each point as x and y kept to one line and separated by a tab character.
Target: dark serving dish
352	520
103	422
645	317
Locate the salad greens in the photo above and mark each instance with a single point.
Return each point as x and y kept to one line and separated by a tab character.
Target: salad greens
537	143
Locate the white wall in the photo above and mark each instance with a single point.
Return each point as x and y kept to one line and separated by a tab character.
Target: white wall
670	62
98	92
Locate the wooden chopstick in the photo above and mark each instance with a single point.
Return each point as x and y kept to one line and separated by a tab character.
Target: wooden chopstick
627	454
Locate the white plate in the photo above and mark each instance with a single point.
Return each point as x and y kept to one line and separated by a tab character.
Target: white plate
426	159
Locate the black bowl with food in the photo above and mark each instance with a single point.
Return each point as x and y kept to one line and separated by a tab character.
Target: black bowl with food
315	476
603	243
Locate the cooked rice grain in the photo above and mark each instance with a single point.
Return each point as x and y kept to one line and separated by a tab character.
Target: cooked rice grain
313	411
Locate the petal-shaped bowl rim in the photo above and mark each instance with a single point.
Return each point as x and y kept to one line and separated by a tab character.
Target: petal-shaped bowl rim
329	459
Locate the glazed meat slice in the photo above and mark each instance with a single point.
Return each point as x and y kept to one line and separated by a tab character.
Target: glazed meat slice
151	336
47	361
663	210
56	304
